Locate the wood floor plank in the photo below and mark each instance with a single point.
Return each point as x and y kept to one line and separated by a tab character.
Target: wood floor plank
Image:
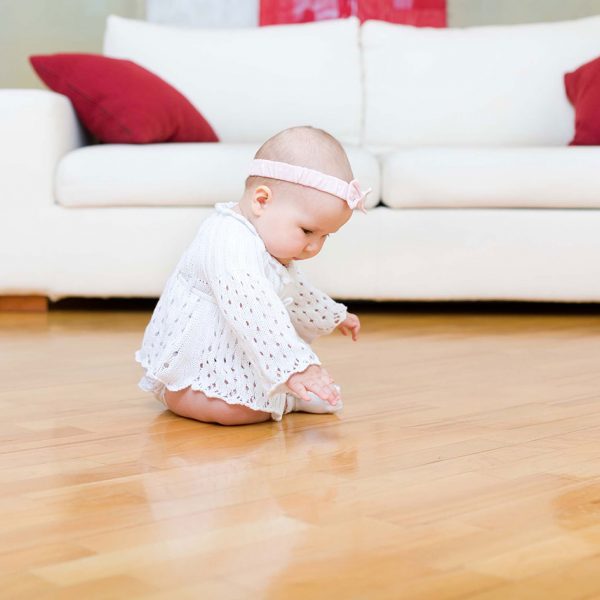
464	465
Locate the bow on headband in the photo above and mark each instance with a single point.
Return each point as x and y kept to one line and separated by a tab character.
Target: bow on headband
350	192
356	198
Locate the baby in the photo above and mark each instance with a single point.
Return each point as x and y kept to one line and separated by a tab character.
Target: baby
229	339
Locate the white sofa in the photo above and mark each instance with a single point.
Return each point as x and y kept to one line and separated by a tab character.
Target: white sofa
461	133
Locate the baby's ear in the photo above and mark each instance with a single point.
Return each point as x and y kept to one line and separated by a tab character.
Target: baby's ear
262	196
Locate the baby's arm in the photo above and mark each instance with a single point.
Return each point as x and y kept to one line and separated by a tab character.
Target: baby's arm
252	308
314	313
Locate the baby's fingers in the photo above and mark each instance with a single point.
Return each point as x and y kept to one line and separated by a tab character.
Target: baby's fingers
300	391
325	392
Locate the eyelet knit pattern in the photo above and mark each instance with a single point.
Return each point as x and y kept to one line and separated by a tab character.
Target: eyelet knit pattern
313	313
232	321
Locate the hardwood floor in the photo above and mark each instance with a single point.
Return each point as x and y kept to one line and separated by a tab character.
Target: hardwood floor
465	464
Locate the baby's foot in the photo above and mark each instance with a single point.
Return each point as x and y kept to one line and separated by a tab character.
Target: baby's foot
316	405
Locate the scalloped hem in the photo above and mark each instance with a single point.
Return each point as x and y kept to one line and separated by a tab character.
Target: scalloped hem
157	389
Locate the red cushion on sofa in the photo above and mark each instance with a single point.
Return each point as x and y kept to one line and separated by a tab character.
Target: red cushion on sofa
583	90
119	101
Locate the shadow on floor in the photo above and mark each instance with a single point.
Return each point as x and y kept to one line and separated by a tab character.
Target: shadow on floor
357	306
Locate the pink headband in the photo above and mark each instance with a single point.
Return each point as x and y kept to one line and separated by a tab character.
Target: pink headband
350	192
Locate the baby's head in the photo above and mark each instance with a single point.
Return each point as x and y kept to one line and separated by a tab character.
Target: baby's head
294	220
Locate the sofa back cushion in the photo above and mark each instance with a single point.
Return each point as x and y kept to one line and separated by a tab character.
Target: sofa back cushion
250	83
491	85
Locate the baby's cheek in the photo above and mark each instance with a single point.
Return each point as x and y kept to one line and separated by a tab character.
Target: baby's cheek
280	240
294	241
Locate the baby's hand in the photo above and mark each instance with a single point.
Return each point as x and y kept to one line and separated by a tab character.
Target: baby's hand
350	324
314	379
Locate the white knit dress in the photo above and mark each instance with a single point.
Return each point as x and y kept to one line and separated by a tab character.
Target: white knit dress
233	321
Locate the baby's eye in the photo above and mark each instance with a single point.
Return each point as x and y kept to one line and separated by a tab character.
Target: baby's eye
308	231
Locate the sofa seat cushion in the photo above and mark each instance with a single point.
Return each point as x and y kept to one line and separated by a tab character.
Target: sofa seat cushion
541	177
173	174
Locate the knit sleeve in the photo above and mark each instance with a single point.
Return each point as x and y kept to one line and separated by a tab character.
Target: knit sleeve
313	312
258	317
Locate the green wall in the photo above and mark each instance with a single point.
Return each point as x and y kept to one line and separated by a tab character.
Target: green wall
47	26
464	13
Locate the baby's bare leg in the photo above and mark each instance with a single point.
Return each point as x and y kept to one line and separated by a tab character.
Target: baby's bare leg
196	405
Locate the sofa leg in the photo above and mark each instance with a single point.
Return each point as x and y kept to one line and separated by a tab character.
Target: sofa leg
24	303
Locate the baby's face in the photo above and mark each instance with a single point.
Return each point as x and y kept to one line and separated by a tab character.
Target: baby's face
295	228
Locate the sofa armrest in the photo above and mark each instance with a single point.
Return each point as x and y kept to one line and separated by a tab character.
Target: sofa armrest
37	128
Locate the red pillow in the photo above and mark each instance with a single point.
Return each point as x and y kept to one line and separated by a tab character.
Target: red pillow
583	91
119	101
